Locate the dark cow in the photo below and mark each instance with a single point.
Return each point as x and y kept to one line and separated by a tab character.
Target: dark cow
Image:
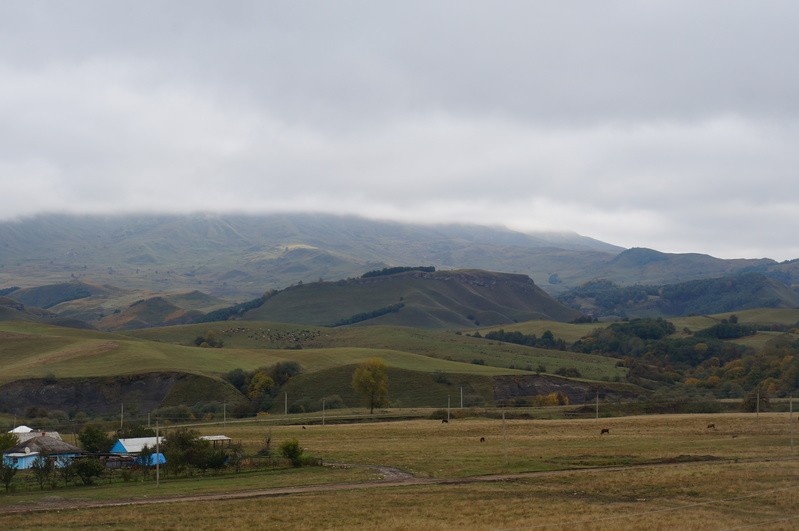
711	426
444	421
604	431
482	439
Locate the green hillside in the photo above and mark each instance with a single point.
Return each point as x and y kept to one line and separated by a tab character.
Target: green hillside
442	299
156	311
42	365
603	298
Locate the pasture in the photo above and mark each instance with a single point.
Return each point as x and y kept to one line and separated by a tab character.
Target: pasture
660	472
30	350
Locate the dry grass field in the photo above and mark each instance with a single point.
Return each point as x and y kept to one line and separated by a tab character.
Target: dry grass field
653	472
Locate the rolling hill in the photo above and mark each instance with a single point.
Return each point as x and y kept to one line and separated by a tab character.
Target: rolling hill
44	366
422	299
711	296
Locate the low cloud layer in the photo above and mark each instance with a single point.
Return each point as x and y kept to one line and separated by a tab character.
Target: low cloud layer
668	125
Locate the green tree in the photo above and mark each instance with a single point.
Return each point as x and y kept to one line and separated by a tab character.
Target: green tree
42	469
66	470
259	384
87	469
371	381
7	473
181	449
94	440
7	440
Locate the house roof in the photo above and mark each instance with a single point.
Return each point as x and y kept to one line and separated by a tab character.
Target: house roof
215	438
135	445
44	445
21	429
22	437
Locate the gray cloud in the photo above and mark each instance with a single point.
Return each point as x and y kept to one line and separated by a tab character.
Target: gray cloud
663	124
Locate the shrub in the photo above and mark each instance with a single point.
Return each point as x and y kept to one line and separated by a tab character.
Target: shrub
87	469
442	378
334	402
568	372
291	450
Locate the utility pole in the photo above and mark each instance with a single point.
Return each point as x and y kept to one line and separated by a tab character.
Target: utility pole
447	408
224	413
461	397
597	405
286	404
790	419
504	438
757	410
121	415
323	412
157	456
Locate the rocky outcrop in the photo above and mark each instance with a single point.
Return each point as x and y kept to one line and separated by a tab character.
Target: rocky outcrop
509	387
100	396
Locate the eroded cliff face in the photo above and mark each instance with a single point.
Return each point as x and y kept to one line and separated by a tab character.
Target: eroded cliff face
104	395
509	387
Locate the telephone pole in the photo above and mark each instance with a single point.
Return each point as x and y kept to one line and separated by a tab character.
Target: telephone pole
157	456
597	405
504	438
790	419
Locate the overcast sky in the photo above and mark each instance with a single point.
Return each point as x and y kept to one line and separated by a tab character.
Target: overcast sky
665	124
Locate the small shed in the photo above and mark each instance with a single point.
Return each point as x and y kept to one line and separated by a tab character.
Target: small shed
151	460
217	441
22	455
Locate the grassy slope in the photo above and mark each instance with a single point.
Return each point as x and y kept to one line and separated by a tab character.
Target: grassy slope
446	299
425	343
35	350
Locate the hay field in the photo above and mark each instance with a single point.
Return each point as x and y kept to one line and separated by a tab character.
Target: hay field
653	472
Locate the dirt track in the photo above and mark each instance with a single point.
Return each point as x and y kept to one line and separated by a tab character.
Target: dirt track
392	477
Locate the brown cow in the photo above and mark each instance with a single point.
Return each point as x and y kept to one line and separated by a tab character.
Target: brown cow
711	426
604	431
482	439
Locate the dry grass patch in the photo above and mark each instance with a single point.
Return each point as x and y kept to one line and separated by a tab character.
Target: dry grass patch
687	496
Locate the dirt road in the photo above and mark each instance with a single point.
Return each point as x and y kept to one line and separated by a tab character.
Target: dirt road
391	477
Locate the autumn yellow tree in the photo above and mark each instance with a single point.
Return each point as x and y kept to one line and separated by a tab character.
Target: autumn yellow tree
371	381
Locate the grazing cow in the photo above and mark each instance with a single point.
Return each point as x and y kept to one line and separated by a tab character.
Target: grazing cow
604	431
444	421
711	426
482	439
303	427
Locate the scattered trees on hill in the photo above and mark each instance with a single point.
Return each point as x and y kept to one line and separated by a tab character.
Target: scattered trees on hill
365	316
261	385
237	310
547	339
209	340
386	271
371	380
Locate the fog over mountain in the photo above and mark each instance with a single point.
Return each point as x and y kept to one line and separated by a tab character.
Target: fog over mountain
665	125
